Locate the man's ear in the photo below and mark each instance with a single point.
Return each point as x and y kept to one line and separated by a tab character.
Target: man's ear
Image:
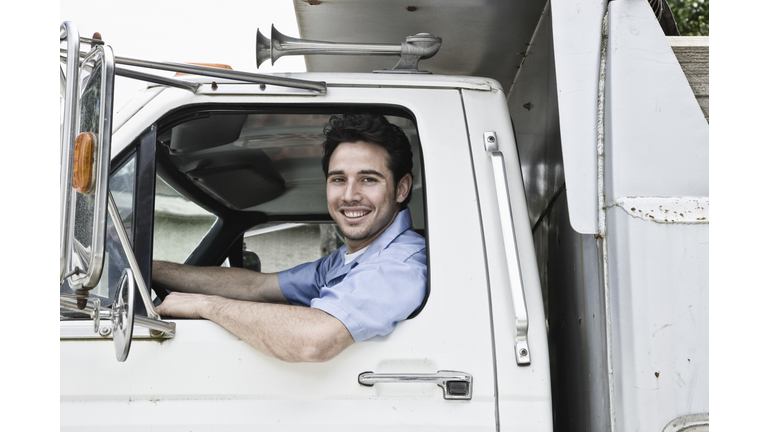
403	188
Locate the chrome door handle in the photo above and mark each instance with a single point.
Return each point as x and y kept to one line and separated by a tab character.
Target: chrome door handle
455	385
522	353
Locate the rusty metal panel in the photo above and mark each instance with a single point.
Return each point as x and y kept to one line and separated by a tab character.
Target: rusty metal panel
659	301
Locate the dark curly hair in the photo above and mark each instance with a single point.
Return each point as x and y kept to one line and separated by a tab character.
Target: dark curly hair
372	128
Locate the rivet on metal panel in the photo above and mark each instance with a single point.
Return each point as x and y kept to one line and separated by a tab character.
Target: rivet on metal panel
105	331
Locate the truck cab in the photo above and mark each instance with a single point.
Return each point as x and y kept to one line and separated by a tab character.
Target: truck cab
560	181
231	170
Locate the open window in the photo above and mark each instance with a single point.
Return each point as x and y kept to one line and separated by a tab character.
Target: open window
258	172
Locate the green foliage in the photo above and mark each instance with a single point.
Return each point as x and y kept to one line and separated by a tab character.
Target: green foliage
691	16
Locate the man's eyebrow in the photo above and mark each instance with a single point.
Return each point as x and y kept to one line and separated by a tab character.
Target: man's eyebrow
363	172
372	172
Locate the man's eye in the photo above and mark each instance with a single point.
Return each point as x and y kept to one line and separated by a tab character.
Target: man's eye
369	179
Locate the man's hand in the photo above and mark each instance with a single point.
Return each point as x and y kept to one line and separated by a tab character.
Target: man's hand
182	305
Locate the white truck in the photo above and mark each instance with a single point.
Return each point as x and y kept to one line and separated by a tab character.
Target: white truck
565	209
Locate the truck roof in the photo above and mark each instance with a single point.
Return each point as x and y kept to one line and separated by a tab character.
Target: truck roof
489	41
425	80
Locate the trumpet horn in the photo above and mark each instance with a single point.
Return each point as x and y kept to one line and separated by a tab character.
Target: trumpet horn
263	49
415	48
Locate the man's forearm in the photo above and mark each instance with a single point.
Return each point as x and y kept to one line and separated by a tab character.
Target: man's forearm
290	333
229	282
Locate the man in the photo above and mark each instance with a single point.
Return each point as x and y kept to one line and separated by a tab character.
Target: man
362	290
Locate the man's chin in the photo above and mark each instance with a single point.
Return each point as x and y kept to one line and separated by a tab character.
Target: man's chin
355	235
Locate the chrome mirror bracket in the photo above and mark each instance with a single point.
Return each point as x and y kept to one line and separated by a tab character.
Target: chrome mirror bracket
158	328
82	300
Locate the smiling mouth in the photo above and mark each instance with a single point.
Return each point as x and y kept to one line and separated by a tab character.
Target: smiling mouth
355	214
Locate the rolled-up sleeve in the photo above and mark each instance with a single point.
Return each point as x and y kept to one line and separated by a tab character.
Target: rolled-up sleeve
302	283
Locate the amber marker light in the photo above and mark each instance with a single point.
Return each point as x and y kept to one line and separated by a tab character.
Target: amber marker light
213	65
82	170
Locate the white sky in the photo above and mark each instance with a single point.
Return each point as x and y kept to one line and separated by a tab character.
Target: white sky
190	31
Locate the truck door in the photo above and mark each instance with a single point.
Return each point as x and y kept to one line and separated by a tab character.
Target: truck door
204	378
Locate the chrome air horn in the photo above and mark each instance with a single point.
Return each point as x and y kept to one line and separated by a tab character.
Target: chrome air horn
415	48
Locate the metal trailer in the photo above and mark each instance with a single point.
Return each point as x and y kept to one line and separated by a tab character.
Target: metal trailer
614	147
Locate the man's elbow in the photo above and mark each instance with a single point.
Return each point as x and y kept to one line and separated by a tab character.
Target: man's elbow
325	340
320	351
322	345
319	342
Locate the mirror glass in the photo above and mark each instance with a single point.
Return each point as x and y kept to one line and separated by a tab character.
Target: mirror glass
89	209
85	203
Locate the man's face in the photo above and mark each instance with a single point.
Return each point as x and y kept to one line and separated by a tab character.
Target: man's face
361	192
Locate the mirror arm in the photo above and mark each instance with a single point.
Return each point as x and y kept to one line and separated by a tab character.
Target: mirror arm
142	76
128	249
168	329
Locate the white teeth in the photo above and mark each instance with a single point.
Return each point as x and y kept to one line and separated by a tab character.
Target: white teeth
356	214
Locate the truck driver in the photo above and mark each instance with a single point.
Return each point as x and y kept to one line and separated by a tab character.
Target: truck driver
314	311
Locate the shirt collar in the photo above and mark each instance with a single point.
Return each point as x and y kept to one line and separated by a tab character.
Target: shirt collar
401	224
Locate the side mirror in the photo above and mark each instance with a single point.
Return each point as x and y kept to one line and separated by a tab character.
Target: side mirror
85	155
123	314
87	86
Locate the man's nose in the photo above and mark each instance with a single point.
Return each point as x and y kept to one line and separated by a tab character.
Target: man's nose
351	192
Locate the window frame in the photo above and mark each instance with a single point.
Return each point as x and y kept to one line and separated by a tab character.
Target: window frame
216	247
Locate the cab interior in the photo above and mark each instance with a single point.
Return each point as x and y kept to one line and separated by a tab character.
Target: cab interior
227	185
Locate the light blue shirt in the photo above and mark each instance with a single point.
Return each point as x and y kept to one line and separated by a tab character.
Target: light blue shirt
374	292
